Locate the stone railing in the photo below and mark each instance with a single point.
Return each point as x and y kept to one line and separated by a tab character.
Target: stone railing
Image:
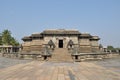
44	54
77	56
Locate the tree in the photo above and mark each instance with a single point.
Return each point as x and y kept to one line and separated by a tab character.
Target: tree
100	46
7	39
0	39
110	47
14	42
117	48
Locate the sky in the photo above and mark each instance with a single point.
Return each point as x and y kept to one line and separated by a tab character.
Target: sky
97	17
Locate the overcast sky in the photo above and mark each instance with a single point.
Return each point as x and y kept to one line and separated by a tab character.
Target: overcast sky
97	17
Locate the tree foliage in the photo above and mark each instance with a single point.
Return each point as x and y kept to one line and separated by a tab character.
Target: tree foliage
14	42
0	39
110	47
100	46
7	39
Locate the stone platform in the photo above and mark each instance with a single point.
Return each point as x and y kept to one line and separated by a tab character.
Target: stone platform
37	70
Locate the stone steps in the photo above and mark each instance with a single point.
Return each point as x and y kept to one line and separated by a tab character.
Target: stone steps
61	55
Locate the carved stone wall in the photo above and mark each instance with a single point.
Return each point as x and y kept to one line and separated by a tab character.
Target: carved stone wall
94	45
65	39
85	45
36	45
26	46
85	49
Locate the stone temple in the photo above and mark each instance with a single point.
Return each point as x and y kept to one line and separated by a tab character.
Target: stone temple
60	39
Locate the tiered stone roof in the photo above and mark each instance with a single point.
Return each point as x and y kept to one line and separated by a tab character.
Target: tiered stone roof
26	38
85	35
36	35
60	31
95	38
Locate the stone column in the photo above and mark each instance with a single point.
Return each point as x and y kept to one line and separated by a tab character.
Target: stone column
11	50
7	49
57	41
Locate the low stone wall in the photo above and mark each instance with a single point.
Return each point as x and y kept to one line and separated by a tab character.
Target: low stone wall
81	57
94	56
111	55
10	55
36	55
20	56
29	56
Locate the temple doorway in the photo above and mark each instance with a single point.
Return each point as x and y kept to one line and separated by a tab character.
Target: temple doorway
60	44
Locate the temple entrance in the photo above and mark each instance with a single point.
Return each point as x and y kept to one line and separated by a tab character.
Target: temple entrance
60	44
